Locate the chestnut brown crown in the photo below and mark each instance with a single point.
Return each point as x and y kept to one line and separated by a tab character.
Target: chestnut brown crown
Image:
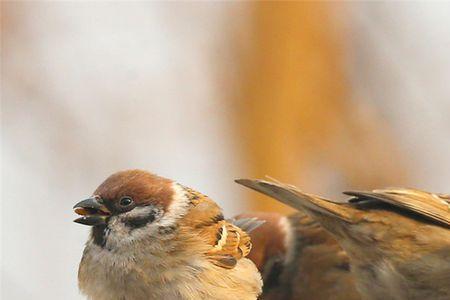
141	186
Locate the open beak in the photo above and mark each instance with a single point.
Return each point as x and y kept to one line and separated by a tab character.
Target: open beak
92	210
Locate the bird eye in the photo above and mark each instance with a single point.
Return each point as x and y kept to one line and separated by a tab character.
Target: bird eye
125	201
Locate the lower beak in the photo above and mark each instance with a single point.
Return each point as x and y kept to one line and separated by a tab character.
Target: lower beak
93	212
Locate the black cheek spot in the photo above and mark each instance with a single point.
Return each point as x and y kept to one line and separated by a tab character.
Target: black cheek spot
139	222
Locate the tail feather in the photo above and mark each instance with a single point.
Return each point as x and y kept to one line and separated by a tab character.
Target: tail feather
248	224
299	200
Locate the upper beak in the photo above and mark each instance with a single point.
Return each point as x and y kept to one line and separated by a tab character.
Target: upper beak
93	211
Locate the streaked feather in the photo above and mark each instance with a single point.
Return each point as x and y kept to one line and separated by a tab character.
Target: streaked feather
247	224
432	206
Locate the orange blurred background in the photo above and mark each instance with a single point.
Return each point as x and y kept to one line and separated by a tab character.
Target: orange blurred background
325	95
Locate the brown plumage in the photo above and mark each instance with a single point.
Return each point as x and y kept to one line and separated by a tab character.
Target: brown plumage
398	240
298	259
228	242
153	238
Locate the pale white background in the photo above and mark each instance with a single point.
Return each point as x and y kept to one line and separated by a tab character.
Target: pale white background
92	88
400	61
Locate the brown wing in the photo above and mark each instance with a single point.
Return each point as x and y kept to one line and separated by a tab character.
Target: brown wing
432	206
292	196
298	259
228	243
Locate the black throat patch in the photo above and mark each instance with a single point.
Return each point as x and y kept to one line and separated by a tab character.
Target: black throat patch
100	234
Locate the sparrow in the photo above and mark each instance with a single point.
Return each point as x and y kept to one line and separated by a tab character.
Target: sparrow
398	240
298	259
153	238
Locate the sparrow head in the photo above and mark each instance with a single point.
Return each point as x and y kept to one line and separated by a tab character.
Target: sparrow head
135	204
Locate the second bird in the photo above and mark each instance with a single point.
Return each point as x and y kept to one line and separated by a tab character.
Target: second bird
398	240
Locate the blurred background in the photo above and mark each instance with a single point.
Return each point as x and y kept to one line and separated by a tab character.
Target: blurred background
327	96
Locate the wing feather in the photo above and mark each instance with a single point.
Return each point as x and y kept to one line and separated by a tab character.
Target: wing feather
229	243
432	206
248	224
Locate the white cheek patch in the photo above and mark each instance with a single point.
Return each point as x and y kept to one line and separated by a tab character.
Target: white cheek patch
177	208
120	234
140	211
